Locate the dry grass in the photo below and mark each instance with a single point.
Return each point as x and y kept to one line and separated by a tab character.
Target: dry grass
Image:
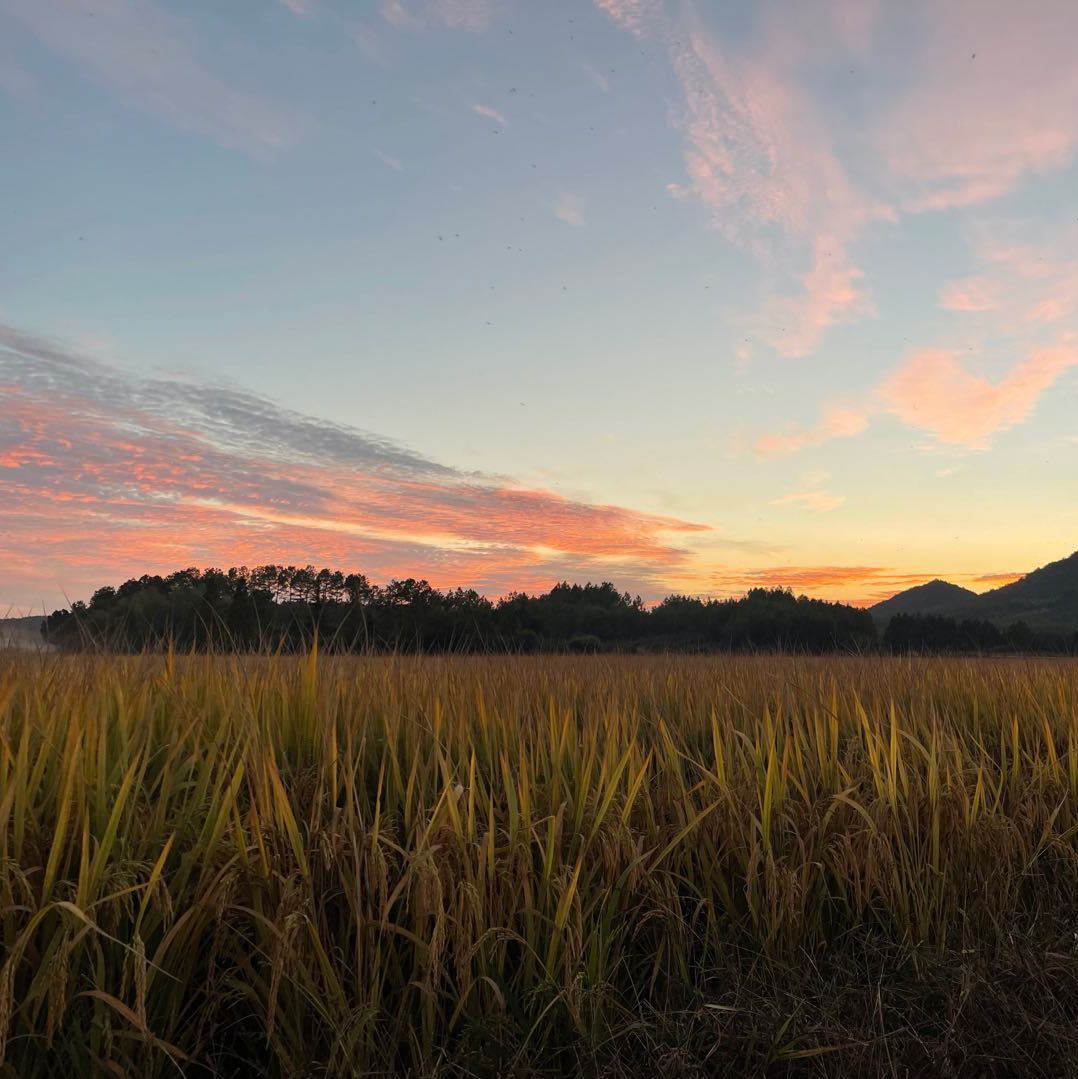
538	866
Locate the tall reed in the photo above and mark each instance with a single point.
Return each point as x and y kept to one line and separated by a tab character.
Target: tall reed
223	865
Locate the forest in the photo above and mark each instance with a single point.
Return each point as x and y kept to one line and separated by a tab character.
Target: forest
285	608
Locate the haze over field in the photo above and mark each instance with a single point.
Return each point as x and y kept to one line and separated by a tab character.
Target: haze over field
686	296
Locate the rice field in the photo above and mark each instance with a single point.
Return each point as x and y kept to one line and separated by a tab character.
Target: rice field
321	866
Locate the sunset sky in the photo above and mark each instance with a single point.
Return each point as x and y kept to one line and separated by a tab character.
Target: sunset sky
686	295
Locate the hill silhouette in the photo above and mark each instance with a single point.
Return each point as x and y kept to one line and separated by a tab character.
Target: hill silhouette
1045	600
935	597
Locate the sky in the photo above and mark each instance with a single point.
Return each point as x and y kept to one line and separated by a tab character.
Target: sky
686	295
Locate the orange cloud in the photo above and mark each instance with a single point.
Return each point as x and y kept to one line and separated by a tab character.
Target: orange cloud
933	392
859	585
996	580
103	476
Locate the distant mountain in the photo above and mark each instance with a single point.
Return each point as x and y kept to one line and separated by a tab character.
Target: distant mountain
1046	599
936	597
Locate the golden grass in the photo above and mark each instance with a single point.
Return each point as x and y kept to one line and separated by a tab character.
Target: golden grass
340	866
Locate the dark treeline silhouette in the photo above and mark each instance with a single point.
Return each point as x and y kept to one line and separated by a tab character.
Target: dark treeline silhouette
272	608
284	607
937	634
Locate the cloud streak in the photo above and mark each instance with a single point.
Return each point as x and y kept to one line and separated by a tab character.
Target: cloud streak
474	15
490	113
103	474
150	58
856	584
812	499
837	422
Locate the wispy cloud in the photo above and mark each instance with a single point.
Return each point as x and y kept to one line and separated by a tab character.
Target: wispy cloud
812	499
103	474
451	14
995	99
597	77
758	155
973	294
388	160
636	16
149	56
490	113
570	209
1021	285
762	143
811	495
837	422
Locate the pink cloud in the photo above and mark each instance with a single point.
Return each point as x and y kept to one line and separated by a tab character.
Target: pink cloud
758	155
974	294
995	99
1023	285
935	393
837	422
1052	309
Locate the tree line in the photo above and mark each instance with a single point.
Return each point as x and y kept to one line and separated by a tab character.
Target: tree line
284	607
938	634
270	608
